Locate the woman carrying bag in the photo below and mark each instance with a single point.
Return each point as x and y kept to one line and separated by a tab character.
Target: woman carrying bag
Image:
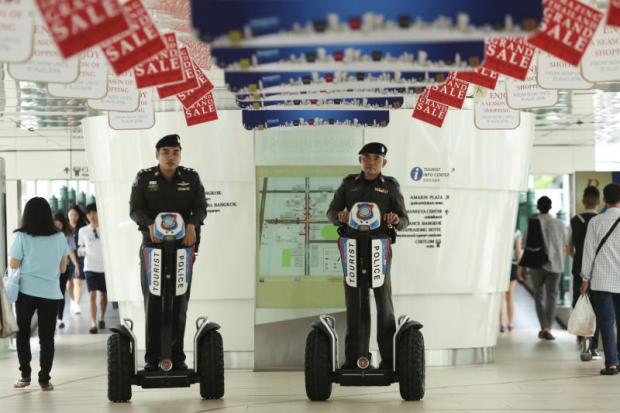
40	252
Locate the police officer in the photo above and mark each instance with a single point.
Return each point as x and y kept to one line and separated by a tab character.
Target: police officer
370	186
167	187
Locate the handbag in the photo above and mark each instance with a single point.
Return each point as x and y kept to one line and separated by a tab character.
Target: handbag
582	321
8	324
534	253
11	283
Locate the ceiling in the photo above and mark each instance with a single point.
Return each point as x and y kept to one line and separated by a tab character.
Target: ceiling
31	119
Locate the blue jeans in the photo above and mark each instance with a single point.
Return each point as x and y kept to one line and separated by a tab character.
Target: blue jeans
607	309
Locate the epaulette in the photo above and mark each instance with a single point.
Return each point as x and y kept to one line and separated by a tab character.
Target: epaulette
147	170
186	169
350	177
391	179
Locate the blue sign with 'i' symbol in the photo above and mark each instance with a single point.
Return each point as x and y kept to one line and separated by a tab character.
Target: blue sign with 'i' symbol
417	173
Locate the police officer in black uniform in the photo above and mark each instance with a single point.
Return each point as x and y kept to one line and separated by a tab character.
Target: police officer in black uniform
167	187
370	186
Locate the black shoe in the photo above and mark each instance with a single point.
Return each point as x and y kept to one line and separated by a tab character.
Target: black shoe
595	354
93	330
386	365
101	324
150	366
547	335
609	371
179	365
61	324
541	334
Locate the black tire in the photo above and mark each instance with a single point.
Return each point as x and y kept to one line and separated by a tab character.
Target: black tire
120	368
411	368
318	366
211	365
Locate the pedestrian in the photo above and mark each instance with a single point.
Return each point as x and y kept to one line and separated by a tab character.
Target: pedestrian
579	225
509	295
600	271
77	219
40	252
89	241
62	224
546	278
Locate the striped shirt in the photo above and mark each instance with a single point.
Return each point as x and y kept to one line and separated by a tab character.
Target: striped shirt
604	272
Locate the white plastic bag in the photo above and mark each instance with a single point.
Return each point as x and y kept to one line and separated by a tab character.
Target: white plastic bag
582	321
8	325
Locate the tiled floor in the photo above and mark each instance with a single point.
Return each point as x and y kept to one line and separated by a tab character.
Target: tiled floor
529	376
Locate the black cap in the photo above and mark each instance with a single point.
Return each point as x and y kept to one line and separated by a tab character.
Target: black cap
169	140
374	148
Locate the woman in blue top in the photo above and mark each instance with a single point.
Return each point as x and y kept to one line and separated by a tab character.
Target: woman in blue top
40	252
62	225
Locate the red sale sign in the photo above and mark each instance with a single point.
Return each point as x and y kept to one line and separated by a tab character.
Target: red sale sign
141	42
613	13
430	111
452	92
190	81
566	30
481	76
77	25
163	68
510	56
190	97
202	111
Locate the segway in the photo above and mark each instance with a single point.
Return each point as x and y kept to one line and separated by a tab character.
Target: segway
169	267
364	250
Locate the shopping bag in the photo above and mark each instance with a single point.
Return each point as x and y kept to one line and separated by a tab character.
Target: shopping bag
582	321
11	284
8	325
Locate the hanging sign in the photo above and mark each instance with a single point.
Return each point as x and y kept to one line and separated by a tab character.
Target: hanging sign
190	97
566	30
510	56
452	92
92	82
137	44
430	111
613	13
312	116
554	73
492	112
190	81
528	94
78	25
163	68
142	118
46	63
481	76
202	111
16	30
123	94
601	62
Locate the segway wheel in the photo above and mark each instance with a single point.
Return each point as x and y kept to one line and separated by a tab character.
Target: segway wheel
317	366
120	368
211	365
411	364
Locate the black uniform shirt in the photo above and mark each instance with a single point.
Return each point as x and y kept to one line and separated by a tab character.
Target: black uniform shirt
152	194
383	191
578	230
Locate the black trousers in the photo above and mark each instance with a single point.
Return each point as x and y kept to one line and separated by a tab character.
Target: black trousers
63	287
153	310
576	293
46	310
358	321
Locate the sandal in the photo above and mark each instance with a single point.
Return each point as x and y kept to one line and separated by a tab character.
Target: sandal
609	371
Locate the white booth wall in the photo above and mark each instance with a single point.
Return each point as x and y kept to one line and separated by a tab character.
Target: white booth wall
454	290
